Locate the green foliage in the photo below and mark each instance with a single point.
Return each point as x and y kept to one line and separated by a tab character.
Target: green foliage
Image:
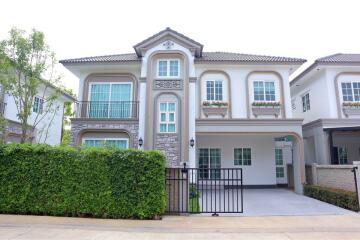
194	203
93	182
338	197
25	60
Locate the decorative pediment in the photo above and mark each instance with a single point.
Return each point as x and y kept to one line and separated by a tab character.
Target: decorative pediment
168	38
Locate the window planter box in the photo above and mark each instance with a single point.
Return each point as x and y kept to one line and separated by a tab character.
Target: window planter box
266	110
351	110
215	110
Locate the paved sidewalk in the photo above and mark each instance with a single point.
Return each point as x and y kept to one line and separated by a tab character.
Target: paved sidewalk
181	227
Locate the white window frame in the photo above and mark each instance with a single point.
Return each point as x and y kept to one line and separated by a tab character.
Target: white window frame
264	92
109	101
106	139
40	105
347	154
167	67
242	160
307	106
167	116
352	90
214	92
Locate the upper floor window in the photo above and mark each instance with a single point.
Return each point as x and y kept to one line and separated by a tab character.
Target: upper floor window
167	117
350	91
264	91
168	68
38	105
214	90
306	102
110	100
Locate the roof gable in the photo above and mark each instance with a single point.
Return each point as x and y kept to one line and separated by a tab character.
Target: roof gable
165	35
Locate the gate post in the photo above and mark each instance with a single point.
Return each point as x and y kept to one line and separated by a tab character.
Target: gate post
356	170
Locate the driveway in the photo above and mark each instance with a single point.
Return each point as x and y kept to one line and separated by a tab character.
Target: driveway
330	227
275	202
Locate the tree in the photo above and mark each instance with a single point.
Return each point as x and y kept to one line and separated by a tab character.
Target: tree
25	61
68	112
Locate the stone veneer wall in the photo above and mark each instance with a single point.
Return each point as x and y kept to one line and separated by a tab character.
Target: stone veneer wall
169	144
132	127
332	176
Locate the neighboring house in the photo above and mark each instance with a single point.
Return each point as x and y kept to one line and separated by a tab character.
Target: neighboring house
48	130
208	109
327	96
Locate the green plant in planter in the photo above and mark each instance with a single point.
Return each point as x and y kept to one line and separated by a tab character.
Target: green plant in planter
351	104
266	104
215	103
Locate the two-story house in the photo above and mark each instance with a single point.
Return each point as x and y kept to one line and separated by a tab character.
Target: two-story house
48	117
327	96
207	109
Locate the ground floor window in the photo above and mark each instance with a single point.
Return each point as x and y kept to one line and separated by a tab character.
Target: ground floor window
279	162
209	163
242	156
343	155
102	142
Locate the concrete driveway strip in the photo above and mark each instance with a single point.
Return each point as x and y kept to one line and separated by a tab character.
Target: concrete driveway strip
182	227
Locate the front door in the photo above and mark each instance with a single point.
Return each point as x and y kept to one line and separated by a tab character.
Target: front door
280	165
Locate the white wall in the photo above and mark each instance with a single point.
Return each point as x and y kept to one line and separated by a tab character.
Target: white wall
54	133
317	87
262	169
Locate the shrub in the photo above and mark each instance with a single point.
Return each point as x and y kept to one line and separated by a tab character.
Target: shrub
338	197
94	182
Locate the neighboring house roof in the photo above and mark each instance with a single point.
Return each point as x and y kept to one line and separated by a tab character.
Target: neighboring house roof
207	57
334	59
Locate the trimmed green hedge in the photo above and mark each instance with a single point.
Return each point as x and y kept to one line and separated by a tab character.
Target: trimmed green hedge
338	197
91	182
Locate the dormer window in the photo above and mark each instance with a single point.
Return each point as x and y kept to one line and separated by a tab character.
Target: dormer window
168	68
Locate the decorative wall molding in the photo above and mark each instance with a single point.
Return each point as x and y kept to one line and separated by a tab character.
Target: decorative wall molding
168	84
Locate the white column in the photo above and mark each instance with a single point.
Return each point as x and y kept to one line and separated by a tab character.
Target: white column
298	165
142	104
192	131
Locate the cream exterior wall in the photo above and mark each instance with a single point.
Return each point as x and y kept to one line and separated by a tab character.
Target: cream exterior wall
238	76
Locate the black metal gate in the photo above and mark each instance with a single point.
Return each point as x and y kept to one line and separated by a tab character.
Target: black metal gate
204	190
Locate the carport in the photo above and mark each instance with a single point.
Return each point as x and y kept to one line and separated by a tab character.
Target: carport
282	202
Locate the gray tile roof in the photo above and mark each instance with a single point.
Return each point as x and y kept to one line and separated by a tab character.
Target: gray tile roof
239	57
207	57
168	30
340	58
127	57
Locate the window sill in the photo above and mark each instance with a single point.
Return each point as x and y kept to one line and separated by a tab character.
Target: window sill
215	110
266	110
351	111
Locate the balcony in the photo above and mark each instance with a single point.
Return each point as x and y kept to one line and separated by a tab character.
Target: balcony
127	110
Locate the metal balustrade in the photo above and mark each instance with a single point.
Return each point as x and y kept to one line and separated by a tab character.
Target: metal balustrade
107	109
